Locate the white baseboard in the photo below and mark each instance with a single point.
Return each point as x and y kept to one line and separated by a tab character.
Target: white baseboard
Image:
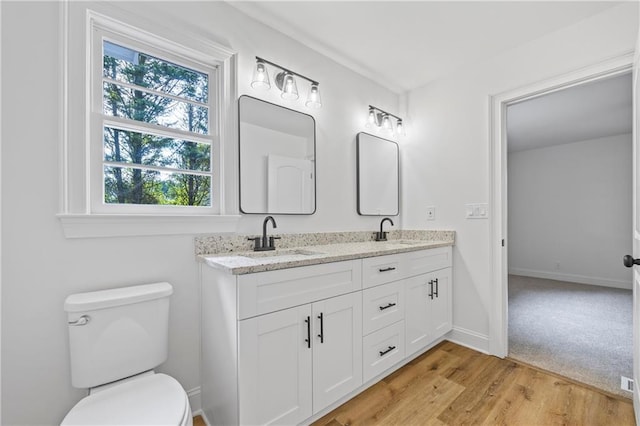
195	401
573	278
470	339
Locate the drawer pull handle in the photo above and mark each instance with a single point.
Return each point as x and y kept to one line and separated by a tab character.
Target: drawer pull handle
383	353
431	290
390	268
308	339
436	292
321	335
382	308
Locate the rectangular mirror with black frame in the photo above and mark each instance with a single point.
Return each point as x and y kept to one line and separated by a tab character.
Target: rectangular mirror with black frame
377	175
277	148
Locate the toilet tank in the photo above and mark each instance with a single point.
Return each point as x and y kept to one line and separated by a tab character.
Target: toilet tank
117	333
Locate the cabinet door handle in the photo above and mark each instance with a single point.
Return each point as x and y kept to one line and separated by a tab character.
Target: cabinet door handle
382	308
390	268
321	335
436	292
431	289
308	339
383	353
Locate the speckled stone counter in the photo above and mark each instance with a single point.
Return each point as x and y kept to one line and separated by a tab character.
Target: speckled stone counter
233	253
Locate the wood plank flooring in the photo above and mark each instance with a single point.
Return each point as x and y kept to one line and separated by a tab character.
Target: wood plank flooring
453	385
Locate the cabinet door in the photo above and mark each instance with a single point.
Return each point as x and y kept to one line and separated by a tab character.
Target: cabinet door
417	313
441	312
337	348
275	368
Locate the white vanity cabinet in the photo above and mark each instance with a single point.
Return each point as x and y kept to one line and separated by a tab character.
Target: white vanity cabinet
285	346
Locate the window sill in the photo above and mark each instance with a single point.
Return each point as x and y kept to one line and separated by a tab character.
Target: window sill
101	226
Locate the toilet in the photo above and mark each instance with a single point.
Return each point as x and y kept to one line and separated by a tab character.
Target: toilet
117	337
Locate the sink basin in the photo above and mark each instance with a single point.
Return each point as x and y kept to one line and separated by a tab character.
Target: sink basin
405	242
294	254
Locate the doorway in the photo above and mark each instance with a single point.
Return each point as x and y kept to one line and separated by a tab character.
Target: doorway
498	342
569	156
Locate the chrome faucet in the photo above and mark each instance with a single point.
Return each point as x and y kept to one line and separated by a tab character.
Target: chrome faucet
382	236
265	242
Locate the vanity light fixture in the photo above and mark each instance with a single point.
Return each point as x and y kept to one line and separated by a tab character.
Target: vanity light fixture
286	82
380	119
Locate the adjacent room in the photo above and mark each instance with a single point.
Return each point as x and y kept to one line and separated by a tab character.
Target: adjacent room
262	212
570	224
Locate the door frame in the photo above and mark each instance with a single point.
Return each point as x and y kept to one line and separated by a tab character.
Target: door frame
498	314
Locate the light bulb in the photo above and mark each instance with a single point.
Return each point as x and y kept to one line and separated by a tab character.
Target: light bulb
371	119
386	122
289	88
314	100
399	128
260	76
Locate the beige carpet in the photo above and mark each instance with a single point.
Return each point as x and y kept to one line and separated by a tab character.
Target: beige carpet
580	331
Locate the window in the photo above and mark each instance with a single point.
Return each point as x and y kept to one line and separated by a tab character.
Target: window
154	129
158	104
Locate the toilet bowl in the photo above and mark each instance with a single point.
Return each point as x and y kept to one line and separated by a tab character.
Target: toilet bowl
117	337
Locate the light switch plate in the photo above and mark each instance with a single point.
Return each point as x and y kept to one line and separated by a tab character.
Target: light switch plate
477	211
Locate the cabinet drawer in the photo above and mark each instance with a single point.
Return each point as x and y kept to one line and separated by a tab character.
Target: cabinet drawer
382	305
382	269
382	349
423	261
270	291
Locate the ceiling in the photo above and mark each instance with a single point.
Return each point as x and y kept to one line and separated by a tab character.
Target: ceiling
405	45
588	111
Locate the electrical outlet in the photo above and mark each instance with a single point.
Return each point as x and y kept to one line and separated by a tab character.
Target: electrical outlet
431	213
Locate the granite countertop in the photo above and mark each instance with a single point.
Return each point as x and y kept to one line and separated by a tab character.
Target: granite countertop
248	262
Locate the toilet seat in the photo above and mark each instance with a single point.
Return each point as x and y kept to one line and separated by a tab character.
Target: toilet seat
155	399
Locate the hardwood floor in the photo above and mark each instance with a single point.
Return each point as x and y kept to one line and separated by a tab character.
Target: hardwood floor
453	385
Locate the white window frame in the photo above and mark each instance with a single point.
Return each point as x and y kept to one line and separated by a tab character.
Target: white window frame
168	52
82	210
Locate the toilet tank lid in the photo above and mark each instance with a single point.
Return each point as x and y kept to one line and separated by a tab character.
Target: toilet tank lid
102	299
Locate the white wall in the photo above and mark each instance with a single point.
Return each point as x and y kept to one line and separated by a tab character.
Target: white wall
570	211
40	267
445	162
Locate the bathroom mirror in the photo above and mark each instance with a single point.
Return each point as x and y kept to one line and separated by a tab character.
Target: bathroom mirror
277	159
377	175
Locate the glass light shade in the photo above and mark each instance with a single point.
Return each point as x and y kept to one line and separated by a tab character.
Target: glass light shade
314	100
260	76
400	128
386	123
289	88
371	119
